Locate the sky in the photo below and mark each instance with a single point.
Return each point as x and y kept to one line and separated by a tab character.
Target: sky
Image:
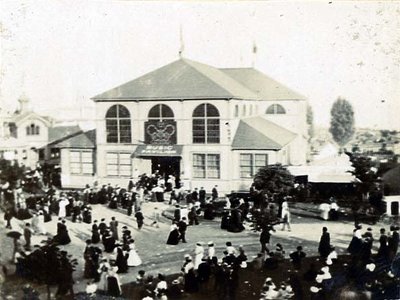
59	54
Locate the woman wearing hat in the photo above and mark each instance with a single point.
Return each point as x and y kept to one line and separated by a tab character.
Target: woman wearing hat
133	259
199	254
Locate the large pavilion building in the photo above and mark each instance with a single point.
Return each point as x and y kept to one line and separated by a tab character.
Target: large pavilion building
204	125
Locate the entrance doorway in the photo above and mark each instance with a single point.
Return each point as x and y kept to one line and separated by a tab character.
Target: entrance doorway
166	166
394	208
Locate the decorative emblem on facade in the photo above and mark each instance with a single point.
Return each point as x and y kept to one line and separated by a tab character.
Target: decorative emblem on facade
160	132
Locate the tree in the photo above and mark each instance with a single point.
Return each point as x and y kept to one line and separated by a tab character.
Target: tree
365	173
274	180
272	184
48	265
310	122
11	172
342	122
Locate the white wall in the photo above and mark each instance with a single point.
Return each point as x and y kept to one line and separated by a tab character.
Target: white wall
294	120
69	180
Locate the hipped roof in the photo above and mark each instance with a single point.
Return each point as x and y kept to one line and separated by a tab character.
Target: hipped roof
83	140
187	79
257	133
264	86
61	132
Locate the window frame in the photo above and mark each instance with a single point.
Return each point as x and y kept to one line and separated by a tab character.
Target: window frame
118	164
32	129
207	167
80	163
160	116
208	128
121	124
277	109
251	165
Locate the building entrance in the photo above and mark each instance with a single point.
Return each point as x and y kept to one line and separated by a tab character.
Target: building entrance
166	166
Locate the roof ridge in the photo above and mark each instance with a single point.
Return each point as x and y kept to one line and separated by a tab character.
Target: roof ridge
191	62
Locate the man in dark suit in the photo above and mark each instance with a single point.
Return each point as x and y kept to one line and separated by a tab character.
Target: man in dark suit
182	226
27	236
265	237
297	257
202	195
177	213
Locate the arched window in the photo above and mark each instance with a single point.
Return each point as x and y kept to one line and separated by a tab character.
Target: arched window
32	129
205	124
160	112
275	109
236	110
118	124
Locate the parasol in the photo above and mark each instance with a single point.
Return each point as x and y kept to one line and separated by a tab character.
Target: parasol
14	234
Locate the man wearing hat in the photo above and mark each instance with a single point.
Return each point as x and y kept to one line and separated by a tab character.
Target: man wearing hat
182	227
297	257
324	247
383	244
367	244
177	213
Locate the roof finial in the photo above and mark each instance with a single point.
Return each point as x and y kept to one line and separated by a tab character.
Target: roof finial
253	61
182	46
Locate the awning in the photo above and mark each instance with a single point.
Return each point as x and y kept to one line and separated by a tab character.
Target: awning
158	150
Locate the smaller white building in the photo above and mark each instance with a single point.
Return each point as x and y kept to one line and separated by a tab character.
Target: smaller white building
392	205
22	133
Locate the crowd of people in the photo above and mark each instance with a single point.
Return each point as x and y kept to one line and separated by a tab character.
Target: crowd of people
203	273
111	249
361	275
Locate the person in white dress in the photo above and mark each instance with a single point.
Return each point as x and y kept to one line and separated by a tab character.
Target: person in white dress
325	208
133	259
62	213
211	250
103	271
40	224
35	223
199	254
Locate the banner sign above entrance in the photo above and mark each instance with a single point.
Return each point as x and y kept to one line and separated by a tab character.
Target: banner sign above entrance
158	150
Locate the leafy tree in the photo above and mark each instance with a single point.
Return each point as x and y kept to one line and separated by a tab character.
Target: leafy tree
48	265
274	180
271	184
11	172
364	172
342	121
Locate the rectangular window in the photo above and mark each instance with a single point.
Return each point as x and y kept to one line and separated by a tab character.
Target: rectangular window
81	162
112	131
206	165
199	131
213	131
251	163
118	164
125	130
